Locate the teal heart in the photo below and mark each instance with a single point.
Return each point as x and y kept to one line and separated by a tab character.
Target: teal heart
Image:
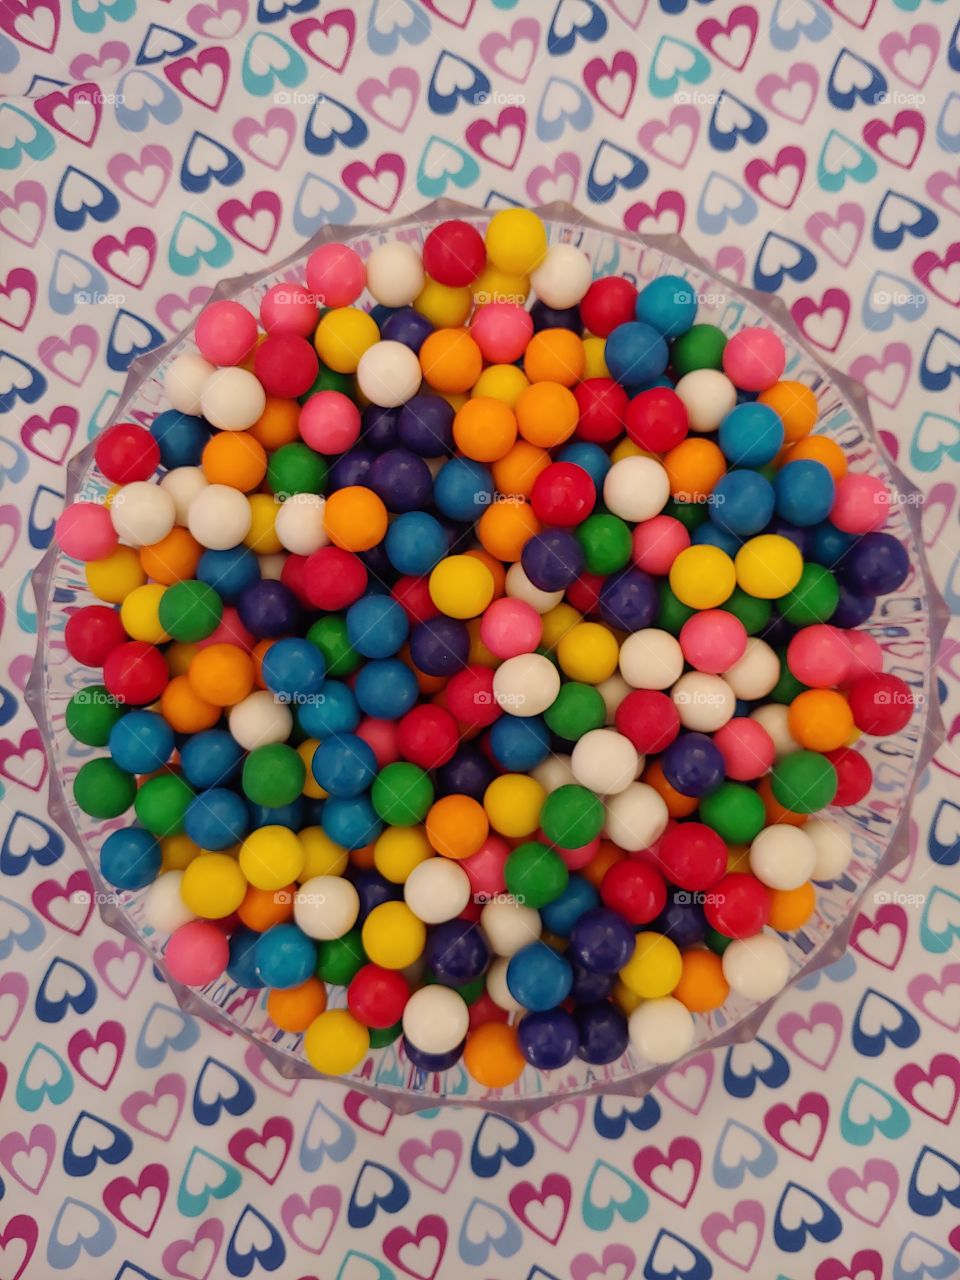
859	1132
204	1177
675	61
609	1194
360	1266
443	162
94	20
390	1070
836	162
284	65
936	436
942	909
44	1076
38	146
195	241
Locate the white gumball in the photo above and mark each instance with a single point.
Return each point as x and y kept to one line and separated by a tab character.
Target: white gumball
219	517
437	890
651	659
185	379
775	718
435	1019
326	907
508	925
554	772
163	907
184	484
704	703
142	513
563	277
636	817
783	856
756	673
232	399
259	719
519	587
395	273
271	566
756	968
636	488
497	988
661	1030
604	761
388	374
708	396
300	523
526	685
833	845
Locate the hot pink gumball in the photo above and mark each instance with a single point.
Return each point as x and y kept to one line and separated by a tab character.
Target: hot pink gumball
289	308
485	867
861	503
747	749
575	859
510	627
866	656
657	543
335	275
501	330
226	333
712	641
230	630
754	359
819	656
381	737
330	422
197	953
286	365
85	531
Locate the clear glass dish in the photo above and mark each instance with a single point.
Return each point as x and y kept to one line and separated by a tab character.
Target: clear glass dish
908	626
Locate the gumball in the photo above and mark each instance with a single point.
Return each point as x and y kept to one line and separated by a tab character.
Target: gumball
196	953
661	1030
126	452
818	656
91	715
692	856
881	704
875	565
783	857
456	952
501	330
636	817
768	566
130	857
754	359
635	353
709	398
85	531
491	1054
741	504
668	304
394	273
861	504
329	423
451	360
335	275
232	399
509	925
516	241
712	641
651	659
854	776
388	373
563	495
519	587
756	968
636	489
437	890
702	577
609	302
751	435
693	764
454	253
634	890
648	719
656	419
92	633
604	761
135	672
183	384
548	1038
335	1042
747	748
289	308
285	956
333	578
226	333
376	997
538	978
295	1008
738	906
602	1032
526	684
653	968
805	781
141	742
756	673
602	405
435	1019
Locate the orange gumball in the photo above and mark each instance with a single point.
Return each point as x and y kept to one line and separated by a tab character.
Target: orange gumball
492	1055
791	908
172	559
234	458
820	719
606	856
294	1008
355	518
694	467
818	449
222	674
278	424
505	526
363	858
547	414
184	710
702	986
258	653
457	826
554	355
484	429
450	360
261	909
515	473
795	405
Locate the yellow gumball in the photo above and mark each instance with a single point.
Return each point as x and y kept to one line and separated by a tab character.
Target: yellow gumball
116	575
335	1042
556	623
516	241
461	586
655	967
177	852
311	787
272	857
213	886
322	856
513	803
502	382
594	362
588	652
768	566
179	655
392	936
262	536
343	335
398	850
703	577
443	305
140	614
494	285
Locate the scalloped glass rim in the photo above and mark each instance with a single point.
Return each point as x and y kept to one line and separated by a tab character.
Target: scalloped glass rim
909	627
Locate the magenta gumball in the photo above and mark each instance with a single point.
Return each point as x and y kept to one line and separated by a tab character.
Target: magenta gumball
330	422
501	330
289	308
861	503
866	656
819	656
226	333
485	868
286	365
576	859
84	531
510	627
748	750
712	641
197	953
658	542
754	359
335	275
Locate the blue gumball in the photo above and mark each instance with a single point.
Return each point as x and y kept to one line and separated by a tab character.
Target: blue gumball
141	741
548	1038
668	305
804	492
217	818
636	354
345	767
285	957
130	859
538	978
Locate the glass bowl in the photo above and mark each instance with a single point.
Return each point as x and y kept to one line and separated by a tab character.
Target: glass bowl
908	626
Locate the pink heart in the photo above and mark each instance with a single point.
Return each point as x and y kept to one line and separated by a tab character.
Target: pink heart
765	178
885	139
213	22
120	1191
823	228
262	1069
748	1213
675	1085
254	138
255	224
312	1236
792	1025
894	46
119	964
811	318
21	1227
512	56
51	438
925	985
77	888
32	22
929	263
14	989
553	1125
175	311
168	1086
673	141
74	113
23	762
40	1138
664	218
328	39
885	376
130	259
500	143
612	84
125	170
942	1067
399	93
109	60
184	1253
546	183
631	12
870	935
72	357
773	89
26	193
844	1180
268	1166
87	1045
413	1152
584	1266
401	1243
733	51
554	1187
731	262
684	1151
203	79
379	185
20	281
782	1114
941	186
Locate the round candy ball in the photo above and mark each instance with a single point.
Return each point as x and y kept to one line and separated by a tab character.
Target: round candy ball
394	273
454	253
435	1019
197	953
754	359
661	1030
85	531
335	275
226	332
388	374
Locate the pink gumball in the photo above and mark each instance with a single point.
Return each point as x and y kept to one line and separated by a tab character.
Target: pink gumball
575	859
230	630
485	867
226	333
748	750
819	656
381	737
510	627
657	543
712	641
330	422
754	359
197	953
289	308
861	503
866	656
84	531
335	275
501	330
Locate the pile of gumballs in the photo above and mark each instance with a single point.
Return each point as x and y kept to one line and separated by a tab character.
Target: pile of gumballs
478	674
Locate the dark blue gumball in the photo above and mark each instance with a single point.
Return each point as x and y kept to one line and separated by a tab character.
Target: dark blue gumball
629	600
682	920
374	890
552	559
378	428
440	646
548	1038
876	565
545	317
402	480
601	941
588	987
602	1031
468	773
431	1063
456	951
852	610
408	327
268	609
693	765
426	426
351	468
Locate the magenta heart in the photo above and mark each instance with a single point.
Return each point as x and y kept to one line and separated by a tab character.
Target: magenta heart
254	224
262	1069
32	22
813	318
526	1194
443	1143
585	1265
673	141
885	376
828	1016
328	39
748	1213
208	19
399	93
780	93
400	1240
379	186
14	988
368	1113
941	186
23	762
844	1180
925	985
40	1138
162	1118
865	15
822	229
10	522
612	83
546	183
78	889
119	964
175	311
23	1228
72	357
553	1124
924	267
664	218
129	259
14	217
109	60
145	178
203	78
312	1235
182	1254
277	1128
118	1193
782	1114
894	46
731	43
500	143
778	182
74	113
461	11
731	262
20	281
86	1044
899	142
512	56
676	1084
680	1186
51	437
865	936
912	1076
257	139
866	1264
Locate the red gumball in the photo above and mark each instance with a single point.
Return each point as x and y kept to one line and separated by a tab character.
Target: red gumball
607	303
136	673
657	419
92	633
413	596
484	1010
428	736
286	365
292	576
738	905
563	494
376	996
584	594
602	404
454	253
126	452
649	719
469	697
881	704
334	579
381	737
692	856
635	890
854	776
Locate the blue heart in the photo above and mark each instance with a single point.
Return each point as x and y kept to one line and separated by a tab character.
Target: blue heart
32	1097
130	336
162	42
14	463
39	145
254	1242
80	995
325	1134
945	1172
940	364
742	1073
888	298
722	199
953	49
860	1133
853	79
784	37
826	1227
142	98
369	1195
471	88
213	1094
331	122
678	6
619	1196
277	10
96	1236
477	1241
731	1167
41	85
946	1263
92	1139
565	31
384	40
82	284
14	388
641	1115
29	839
289	74
9	54
128	1271
19	927
433	183
80	196
498	1139
164	1028
193	1203
673	1258
205	161
613	167
41	535
948	140
778	258
9	705
562	103
215	251
732	119
319	202
904	1033
946	853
